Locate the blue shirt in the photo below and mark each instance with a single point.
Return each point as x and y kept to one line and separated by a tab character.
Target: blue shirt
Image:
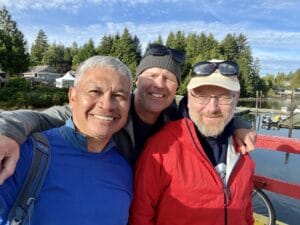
80	188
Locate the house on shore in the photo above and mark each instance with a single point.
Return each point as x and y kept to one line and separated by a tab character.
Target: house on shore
44	74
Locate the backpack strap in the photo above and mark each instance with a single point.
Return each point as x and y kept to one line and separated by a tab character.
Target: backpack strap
24	204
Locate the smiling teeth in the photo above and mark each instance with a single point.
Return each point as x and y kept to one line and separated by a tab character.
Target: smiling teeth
157	95
107	118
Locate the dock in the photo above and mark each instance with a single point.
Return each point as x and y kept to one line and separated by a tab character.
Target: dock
281	124
286	123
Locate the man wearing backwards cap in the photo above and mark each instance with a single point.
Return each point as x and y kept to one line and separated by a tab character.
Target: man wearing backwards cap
191	171
158	77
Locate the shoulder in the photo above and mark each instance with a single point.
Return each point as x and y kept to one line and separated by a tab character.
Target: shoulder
174	128
171	136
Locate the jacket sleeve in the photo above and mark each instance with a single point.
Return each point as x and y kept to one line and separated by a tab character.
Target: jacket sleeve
19	123
146	190
239	123
249	209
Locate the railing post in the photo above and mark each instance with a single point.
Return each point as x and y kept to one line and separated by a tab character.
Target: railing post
291	115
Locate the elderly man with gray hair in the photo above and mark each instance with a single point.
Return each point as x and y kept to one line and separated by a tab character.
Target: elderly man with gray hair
88	181
197	174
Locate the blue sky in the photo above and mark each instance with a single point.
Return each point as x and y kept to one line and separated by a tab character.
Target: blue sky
271	26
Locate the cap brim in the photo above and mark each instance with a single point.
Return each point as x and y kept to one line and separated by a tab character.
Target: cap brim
216	79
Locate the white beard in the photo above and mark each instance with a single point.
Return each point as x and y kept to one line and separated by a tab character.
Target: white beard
214	128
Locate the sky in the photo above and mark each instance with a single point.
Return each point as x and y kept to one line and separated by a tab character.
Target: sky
272	27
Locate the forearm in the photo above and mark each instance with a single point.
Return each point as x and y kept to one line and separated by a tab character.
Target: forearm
19	123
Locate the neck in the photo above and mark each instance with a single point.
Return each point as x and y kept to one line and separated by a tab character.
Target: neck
144	115
96	144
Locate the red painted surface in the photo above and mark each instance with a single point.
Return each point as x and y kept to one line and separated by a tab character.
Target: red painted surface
277	186
290	145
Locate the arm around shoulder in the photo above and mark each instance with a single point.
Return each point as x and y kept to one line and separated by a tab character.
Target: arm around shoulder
18	124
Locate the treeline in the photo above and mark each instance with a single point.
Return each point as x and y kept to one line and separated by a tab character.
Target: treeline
127	48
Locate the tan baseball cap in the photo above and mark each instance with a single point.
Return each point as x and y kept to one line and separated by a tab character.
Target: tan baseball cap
216	79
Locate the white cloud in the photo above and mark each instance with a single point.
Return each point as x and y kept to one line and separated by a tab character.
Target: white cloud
265	42
70	4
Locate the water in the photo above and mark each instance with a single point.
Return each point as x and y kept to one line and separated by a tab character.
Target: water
268	103
279	165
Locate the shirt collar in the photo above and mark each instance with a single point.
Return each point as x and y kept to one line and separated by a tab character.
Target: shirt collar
78	140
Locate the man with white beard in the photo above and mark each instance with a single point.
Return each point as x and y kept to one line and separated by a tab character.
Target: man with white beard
197	175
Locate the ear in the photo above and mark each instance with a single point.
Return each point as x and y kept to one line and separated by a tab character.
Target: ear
71	95
137	81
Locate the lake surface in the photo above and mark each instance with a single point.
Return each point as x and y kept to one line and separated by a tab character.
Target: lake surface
268	103
280	165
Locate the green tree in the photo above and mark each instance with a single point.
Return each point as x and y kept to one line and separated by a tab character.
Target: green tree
116	49
14	58
171	40
39	48
159	40
129	50
105	46
295	81
179	42
54	56
280	80
229	47
83	53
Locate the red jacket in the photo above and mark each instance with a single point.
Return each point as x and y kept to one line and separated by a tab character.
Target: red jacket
176	184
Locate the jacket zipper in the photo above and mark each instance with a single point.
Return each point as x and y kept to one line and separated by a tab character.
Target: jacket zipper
226	191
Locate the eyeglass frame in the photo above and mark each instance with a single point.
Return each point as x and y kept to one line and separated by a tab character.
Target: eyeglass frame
209	97
161	50
195	73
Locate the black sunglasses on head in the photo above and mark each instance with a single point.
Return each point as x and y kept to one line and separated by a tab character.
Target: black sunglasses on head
226	68
160	50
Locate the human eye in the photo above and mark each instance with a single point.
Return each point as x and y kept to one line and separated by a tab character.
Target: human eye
120	96
202	97
94	92
150	75
170	78
225	99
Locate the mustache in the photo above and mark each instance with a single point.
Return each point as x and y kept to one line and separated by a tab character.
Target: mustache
217	114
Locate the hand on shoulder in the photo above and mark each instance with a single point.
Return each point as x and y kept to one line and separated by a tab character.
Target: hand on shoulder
9	156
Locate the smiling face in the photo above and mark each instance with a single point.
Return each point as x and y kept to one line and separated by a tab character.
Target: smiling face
100	102
212	118
156	89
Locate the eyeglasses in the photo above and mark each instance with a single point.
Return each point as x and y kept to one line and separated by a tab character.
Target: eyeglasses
160	50
205	99
226	68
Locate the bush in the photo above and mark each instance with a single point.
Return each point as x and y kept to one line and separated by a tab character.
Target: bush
59	98
17	93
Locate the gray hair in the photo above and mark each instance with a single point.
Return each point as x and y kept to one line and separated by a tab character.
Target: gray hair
106	62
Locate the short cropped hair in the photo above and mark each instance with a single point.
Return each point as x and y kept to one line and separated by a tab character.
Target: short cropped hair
106	62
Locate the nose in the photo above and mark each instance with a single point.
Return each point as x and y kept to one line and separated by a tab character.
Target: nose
213	106
159	81
106	102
